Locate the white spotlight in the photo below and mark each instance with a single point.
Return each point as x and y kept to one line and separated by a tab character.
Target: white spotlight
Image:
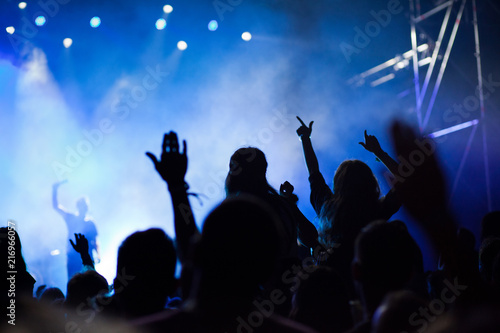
167	9
22	5
67	42
10	30
182	45
246	36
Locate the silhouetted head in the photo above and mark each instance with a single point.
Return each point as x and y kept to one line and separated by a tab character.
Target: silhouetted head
83	206
490	225
82	287
145	272
322	302
51	294
355	179
40	290
353	205
247	172
239	246
385	257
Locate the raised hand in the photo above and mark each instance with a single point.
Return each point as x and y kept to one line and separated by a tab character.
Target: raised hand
421	187
303	130
371	144
81	244
172	165
286	190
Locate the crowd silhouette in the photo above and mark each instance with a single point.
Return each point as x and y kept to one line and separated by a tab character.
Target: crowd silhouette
259	265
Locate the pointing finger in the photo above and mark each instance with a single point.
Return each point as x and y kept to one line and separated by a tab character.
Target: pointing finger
301	121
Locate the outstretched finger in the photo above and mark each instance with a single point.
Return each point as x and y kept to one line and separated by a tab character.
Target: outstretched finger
363	144
184	147
298	118
165	142
366	136
152	157
311	125
174	142
72	244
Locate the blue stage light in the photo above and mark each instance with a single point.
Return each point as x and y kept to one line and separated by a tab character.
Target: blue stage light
161	24
213	25
95	22
40	20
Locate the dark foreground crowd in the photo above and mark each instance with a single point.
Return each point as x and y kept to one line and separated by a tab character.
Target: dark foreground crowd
259	265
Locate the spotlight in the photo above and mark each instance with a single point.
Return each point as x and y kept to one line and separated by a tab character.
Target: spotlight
182	45
246	36
67	42
22	5
161	24
213	25
95	21
40	20
10	30
167	9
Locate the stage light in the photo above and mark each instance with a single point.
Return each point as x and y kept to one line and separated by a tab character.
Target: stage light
40	20
167	9
213	25
246	36
182	45
10	30
161	24
452	129
67	42
22	5
95	21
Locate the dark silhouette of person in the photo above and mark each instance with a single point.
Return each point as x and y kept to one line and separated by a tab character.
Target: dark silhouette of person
247	174
322	302
145	275
236	253
353	202
51	295
16	284
384	261
77	223
82	287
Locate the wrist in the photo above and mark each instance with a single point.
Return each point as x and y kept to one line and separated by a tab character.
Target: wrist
304	137
178	187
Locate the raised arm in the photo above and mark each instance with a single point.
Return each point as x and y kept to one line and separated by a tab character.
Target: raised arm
372	145
306	231
81	245
172	168
304	133
423	194
55	202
